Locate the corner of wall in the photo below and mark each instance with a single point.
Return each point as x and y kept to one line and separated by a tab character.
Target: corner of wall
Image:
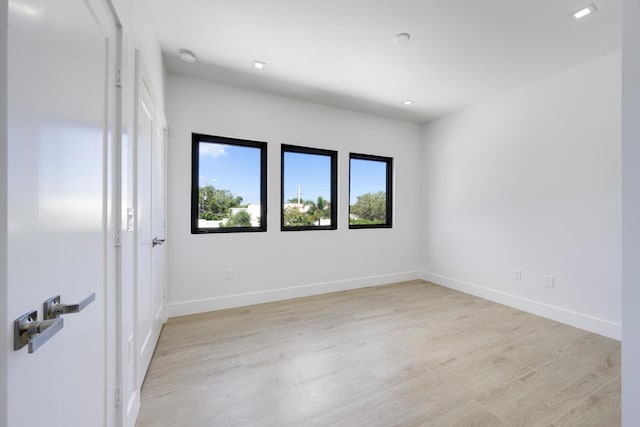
531	179
4	330
630	213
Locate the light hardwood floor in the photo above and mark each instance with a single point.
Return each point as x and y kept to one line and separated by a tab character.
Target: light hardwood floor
408	354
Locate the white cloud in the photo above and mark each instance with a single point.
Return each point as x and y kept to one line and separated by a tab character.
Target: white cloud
212	150
205	180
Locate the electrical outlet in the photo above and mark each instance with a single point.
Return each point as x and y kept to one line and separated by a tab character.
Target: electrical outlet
549	282
228	274
517	274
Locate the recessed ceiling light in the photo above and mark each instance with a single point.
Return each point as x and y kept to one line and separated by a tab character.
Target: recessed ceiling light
585	11
187	56
401	38
408	102
259	65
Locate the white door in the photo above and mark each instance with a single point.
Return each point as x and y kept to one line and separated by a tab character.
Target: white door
159	223
61	58
149	195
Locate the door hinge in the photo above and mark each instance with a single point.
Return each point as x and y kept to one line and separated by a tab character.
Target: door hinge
118	76
118	236
119	395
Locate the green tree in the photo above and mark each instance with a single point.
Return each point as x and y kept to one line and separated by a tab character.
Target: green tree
370	207
319	209
215	203
293	217
240	219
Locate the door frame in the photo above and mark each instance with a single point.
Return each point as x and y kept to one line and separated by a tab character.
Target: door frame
114	375
112	180
127	259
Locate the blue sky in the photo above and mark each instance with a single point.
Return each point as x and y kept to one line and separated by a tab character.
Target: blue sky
237	169
367	176
311	172
231	167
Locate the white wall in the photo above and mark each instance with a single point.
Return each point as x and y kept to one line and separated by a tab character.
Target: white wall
531	180
631	214
5	329
277	265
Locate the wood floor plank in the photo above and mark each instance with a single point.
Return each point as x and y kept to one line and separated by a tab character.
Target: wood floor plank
545	393
471	414
407	354
600	409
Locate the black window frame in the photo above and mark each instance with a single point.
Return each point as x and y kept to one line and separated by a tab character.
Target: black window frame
333	155
388	191
196	138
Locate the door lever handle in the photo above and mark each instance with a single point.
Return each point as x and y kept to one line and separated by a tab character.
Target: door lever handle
157	241
52	308
27	330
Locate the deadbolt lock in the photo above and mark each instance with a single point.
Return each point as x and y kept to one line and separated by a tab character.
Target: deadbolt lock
27	330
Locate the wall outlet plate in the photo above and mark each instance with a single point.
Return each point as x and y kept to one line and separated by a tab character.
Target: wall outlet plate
549	282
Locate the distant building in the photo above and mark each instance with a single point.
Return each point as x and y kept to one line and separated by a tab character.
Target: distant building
253	210
299	206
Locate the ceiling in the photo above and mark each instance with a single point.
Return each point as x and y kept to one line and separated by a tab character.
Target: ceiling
341	52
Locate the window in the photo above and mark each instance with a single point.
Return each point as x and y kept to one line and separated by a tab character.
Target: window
228	185
370	190
309	188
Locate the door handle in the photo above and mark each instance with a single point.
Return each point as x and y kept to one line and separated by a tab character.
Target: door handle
27	330
53	309
157	241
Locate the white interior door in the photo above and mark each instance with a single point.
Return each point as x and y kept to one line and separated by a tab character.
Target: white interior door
61	60
149	196
159	223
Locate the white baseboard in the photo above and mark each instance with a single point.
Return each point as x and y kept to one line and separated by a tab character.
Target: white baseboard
183	308
579	320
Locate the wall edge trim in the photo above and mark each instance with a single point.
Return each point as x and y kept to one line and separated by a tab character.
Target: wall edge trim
573	318
204	305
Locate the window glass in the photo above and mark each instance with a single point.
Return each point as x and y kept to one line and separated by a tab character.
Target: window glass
229	185
369	191
308	188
